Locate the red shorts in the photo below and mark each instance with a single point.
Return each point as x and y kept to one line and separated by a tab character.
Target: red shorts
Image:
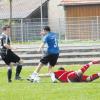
73	77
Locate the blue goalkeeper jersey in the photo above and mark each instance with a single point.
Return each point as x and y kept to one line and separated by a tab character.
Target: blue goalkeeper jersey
51	40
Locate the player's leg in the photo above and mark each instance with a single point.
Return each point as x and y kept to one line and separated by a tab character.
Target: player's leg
9	73
44	75
9	68
96	62
85	67
52	62
16	59
43	61
50	72
18	71
52	59
51	75
38	68
34	76
93	77
76	75
50	68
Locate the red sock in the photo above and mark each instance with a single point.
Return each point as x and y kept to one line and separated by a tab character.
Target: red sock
96	62
85	67
94	76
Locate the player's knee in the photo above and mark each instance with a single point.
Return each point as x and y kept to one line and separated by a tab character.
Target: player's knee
20	62
79	72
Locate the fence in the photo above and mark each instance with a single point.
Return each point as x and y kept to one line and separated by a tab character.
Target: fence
80	28
85	28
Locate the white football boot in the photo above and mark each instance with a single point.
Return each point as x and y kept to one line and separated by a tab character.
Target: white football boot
54	80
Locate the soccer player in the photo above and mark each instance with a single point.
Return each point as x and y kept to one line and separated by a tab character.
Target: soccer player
51	55
73	76
8	55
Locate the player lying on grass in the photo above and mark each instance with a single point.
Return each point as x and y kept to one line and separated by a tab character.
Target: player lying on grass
72	76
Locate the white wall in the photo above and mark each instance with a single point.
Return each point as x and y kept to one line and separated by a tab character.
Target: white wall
55	11
56	16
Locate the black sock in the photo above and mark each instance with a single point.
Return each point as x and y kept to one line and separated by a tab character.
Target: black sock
9	73
18	70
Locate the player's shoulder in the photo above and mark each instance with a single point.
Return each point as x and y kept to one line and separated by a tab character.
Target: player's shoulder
53	33
2	36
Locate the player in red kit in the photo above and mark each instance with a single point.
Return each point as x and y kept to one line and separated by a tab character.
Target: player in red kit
73	76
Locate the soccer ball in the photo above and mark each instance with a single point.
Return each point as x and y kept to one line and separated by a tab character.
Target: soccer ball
36	79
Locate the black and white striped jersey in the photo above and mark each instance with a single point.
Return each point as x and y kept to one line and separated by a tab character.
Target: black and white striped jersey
4	39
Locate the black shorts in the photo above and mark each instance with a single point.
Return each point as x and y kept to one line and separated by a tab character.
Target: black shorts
10	57
51	59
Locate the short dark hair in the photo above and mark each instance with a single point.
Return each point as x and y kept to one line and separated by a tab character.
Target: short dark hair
47	28
61	68
5	27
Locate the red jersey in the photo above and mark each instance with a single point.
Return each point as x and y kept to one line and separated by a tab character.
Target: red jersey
61	75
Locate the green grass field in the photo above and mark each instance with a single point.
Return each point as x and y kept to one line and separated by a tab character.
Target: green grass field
45	90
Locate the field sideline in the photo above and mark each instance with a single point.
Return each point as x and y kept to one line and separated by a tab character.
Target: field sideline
45	90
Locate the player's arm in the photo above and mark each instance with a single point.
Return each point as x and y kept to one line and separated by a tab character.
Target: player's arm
51	75
44	75
5	43
7	46
41	47
44	41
